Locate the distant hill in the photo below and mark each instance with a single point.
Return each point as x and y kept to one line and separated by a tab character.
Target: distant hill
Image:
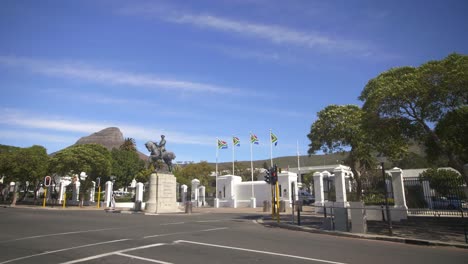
110	138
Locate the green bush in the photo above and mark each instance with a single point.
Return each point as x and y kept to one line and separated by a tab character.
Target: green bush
125	199
377	199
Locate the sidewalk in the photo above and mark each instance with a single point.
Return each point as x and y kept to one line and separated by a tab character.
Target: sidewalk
55	207
415	230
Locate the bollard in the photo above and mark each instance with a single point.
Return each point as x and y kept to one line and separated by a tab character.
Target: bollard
282	207
138	206
266	206
188	207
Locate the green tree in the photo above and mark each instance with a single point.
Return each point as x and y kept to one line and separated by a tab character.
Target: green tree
129	145
340	129
451	130
125	166
419	98
443	181
24	165
93	159
201	171
144	174
308	181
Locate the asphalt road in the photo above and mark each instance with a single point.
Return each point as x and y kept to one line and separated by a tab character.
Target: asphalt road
66	236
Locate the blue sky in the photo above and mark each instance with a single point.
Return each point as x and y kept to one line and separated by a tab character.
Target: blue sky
198	70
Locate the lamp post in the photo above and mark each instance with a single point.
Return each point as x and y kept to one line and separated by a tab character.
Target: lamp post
389	217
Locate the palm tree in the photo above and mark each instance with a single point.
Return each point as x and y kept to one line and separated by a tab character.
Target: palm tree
129	145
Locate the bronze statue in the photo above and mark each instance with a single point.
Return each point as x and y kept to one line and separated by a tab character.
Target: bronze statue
158	152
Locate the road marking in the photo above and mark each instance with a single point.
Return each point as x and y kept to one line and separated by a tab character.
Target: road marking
112	253
178	223
58	234
213	229
64	249
258	251
182	233
208	221
145	259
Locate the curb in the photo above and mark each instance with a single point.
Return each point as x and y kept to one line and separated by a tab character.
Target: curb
361	236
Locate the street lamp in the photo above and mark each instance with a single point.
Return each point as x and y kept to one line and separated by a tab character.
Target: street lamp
387	209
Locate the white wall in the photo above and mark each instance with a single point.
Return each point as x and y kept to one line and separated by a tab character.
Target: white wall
241	192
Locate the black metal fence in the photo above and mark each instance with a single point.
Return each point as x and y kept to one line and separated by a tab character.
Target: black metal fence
424	197
373	188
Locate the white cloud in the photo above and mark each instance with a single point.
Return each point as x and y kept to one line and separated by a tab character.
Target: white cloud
317	41
90	97
49	137
109	76
28	120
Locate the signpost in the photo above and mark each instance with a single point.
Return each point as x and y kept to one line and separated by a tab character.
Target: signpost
47	181
98	179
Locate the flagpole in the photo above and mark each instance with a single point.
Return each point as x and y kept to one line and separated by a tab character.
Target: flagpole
299	178
271	151
233	155
216	173
251	164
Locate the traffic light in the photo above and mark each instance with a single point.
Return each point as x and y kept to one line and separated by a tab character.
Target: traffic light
267	177
274	175
47	181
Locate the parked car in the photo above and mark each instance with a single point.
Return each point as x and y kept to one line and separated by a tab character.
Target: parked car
306	197
449	202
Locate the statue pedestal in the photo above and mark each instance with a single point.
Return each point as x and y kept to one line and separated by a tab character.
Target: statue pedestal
162	194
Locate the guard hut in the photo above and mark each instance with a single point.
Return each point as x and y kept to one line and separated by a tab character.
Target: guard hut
233	192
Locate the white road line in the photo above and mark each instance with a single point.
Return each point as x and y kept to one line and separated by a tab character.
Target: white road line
64	249
182	233
58	234
214	229
145	259
209	221
178	223
112	253
258	251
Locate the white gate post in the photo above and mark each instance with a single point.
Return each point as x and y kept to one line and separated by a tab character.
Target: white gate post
400	209
201	191
139	192
109	191
195	184
318	188
340	187
92	192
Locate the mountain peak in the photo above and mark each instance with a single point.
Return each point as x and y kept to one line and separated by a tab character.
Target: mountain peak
110	137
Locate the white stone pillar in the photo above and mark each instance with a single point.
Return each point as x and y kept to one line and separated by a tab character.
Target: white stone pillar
183	193
139	192
201	192
62	190
401	210
195	184
109	191
340	187
92	191
318	189
76	191
349	185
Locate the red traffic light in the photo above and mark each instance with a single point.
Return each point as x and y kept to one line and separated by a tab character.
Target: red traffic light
47	181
